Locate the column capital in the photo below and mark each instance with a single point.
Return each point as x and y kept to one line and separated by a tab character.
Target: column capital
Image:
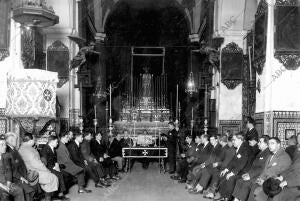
100	36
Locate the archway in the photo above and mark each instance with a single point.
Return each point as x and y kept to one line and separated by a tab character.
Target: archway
148	23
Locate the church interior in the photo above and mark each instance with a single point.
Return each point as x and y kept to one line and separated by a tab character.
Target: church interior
149	100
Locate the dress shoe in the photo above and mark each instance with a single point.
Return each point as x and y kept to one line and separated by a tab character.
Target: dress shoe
98	185
175	177
181	181
104	183
116	177
209	196
195	191
84	190
62	198
218	197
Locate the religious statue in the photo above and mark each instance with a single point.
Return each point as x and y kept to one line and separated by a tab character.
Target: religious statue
80	57
146	83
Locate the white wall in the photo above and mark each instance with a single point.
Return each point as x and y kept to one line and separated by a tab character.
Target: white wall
279	90
12	62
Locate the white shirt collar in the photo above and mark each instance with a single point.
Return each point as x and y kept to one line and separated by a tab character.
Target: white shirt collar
77	143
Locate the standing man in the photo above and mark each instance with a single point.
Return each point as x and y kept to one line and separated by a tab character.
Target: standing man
172	148
251	131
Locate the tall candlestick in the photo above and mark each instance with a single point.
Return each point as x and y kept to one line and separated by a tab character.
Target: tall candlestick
250	66
177	103
110	101
205	102
192	121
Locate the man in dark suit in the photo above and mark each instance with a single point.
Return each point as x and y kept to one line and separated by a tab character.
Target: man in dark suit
244	183
251	131
290	180
201	156
78	159
211	176
49	158
7	187
215	153
236	165
253	150
63	157
19	170
91	159
99	150
182	167
278	162
172	147
291	149
115	151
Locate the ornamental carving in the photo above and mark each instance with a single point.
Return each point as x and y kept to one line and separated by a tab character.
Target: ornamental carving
27	41
58	60
3	54
286	37
231	84
260	36
287	2
232	65
290	62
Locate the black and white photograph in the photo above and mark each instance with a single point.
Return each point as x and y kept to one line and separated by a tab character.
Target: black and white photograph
149	100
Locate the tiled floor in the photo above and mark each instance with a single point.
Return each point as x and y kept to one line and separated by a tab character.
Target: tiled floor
139	185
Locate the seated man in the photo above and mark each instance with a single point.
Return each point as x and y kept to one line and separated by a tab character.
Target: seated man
290	179
99	150
78	159
7	188
31	157
211	176
49	157
19	170
278	162
115	151
182	167
201	155
235	166
91	160
63	157
292	146
216	152
243	184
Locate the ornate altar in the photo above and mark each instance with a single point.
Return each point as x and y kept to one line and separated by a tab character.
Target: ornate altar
144	106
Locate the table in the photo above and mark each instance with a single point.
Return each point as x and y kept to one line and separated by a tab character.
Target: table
145	152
